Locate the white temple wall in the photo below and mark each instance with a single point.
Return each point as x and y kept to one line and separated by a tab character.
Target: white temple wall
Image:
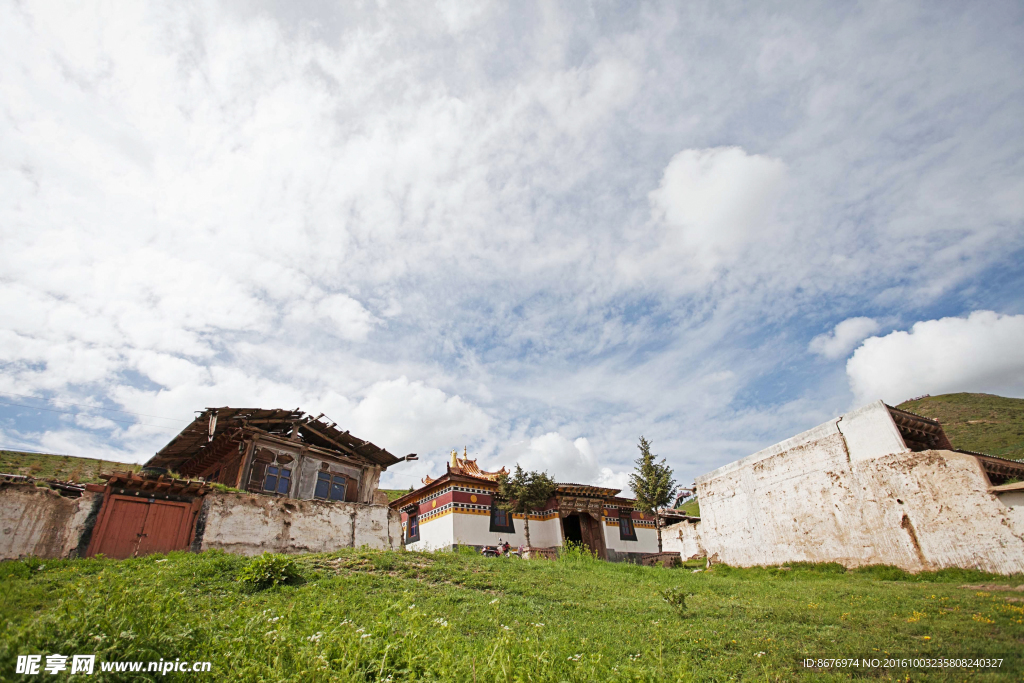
435	534
475	530
646	539
849	492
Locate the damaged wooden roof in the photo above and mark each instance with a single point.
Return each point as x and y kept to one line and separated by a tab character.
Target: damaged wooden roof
214	427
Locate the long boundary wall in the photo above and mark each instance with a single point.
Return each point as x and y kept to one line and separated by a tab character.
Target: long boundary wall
849	491
249	524
37	521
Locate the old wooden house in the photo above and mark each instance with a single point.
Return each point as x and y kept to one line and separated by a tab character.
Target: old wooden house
283	453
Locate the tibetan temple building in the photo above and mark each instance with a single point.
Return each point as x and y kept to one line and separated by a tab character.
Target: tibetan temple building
458	509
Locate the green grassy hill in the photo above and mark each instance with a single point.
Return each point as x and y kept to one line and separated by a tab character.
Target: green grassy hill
691	507
61	467
363	615
977	422
395	494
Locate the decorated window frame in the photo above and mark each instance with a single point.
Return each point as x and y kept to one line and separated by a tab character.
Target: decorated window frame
627	530
501	520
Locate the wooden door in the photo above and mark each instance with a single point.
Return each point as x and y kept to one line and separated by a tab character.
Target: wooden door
593	535
129	526
163	530
120	536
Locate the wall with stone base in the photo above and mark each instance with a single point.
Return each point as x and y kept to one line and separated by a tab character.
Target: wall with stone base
826	497
248	524
39	522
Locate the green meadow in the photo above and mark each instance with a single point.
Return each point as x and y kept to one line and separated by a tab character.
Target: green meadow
361	615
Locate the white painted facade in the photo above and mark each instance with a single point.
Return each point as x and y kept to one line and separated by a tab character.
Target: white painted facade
646	538
850	491
460	528
474	529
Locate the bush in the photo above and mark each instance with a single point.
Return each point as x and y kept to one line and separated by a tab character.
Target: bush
676	598
576	554
268	570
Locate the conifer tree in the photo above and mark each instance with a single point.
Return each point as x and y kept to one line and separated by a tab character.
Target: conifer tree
652	484
524	492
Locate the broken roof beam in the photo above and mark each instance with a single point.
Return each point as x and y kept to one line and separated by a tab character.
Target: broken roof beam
216	450
347	449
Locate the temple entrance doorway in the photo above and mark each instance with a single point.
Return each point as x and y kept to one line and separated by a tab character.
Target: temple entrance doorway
583	528
571	530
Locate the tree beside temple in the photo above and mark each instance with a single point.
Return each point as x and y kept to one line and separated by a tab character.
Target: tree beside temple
523	492
652	484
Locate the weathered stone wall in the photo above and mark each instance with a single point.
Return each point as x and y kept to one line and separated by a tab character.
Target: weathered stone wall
36	521
249	524
683	538
834	495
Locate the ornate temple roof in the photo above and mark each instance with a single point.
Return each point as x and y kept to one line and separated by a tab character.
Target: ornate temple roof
467	467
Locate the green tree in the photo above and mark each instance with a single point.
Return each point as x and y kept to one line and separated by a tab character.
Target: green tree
653	484
524	492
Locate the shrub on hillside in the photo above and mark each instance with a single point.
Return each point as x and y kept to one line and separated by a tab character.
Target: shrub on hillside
268	570
576	554
676	598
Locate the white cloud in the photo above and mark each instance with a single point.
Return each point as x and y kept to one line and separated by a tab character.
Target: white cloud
841	340
718	202
983	352
405	416
565	460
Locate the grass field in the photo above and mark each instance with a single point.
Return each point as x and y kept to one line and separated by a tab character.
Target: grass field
62	467
363	615
977	422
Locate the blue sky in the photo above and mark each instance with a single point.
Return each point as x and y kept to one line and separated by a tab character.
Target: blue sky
536	231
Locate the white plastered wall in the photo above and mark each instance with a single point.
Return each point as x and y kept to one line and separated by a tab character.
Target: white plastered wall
249	524
435	534
850	491
1014	503
646	539
475	530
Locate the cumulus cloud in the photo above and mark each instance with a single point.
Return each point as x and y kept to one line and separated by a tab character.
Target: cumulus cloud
841	340
983	352
566	461
717	202
410	416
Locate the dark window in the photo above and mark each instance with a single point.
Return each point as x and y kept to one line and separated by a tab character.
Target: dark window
323	486
330	486
270	483
214	477
279	480
338	488
412	529
626	530
501	520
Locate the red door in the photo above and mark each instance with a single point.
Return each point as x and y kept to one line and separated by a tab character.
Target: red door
123	529
129	527
163	528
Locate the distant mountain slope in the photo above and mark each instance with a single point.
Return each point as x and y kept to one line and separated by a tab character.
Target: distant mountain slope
977	422
61	467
